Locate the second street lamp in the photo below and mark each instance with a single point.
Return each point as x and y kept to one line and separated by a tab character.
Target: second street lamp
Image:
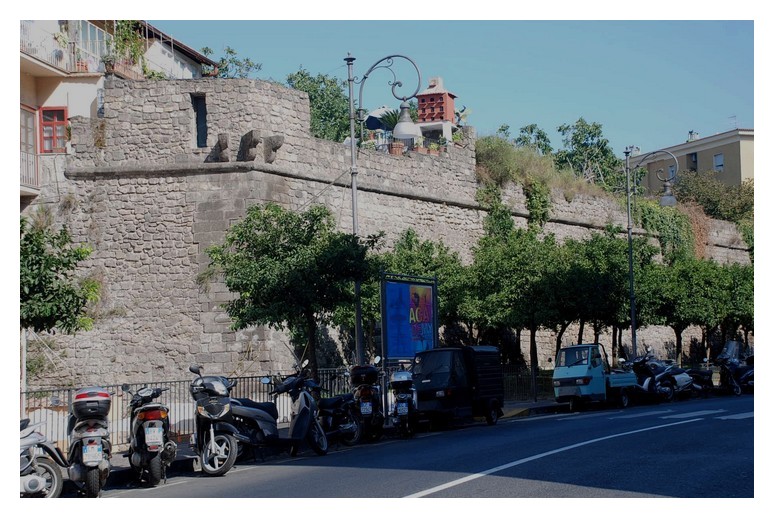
666	200
405	129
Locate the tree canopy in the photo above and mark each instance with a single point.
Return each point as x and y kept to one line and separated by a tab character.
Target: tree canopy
51	297
328	104
289	270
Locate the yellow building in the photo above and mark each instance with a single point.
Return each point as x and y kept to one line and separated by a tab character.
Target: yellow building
729	153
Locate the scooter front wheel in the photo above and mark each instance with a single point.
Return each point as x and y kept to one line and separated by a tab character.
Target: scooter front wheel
218	454
49	470
353	429
317	439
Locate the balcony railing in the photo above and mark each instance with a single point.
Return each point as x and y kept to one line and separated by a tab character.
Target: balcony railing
83	55
29	170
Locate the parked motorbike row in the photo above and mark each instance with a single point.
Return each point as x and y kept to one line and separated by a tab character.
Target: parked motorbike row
227	427
88	458
666	381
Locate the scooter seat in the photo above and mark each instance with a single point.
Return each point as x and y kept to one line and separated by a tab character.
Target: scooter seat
334	402
268	407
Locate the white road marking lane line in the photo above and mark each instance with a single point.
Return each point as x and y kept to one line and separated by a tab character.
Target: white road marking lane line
643	414
694	414
469	478
746	415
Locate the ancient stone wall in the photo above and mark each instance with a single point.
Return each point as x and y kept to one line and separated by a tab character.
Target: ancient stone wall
150	202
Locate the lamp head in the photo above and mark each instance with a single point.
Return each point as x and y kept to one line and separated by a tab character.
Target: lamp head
405	128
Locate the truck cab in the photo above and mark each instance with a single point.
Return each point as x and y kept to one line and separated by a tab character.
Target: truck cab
582	375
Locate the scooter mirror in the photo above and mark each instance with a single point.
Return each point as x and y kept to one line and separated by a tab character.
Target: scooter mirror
265	380
196	369
125	387
377	360
305	363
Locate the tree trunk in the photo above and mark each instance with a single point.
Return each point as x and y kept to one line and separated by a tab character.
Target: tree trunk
311	343
678	345
559	336
580	331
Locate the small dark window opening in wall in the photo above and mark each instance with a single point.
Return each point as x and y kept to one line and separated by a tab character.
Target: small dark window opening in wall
200	113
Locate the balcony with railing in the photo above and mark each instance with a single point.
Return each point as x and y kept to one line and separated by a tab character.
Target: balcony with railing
77	48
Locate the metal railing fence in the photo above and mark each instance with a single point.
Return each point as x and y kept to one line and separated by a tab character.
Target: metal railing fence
51	406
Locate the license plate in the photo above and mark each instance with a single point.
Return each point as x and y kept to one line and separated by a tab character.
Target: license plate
92	452
366	408
154	436
403	408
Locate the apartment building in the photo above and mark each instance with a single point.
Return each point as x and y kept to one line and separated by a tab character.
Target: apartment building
730	154
62	74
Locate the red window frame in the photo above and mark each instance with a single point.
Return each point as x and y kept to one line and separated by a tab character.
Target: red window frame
53	129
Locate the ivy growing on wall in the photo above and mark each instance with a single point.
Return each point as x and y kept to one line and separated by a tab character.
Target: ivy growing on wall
747	229
672	227
538	201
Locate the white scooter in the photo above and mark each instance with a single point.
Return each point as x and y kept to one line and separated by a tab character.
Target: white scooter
40	474
90	449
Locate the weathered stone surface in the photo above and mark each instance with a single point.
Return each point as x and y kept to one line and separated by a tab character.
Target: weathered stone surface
149	202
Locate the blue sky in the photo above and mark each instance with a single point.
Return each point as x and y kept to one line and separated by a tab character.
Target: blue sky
648	83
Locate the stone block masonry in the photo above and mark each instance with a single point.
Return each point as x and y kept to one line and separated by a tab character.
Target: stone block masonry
150	203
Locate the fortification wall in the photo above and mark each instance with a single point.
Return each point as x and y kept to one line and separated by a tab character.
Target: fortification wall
150	202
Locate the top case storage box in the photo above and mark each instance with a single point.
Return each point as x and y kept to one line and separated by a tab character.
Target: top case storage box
361	374
401	380
91	402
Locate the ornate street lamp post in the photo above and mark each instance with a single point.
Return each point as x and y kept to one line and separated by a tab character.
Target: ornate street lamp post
666	200
404	129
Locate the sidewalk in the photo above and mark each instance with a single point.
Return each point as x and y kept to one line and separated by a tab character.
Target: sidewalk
121	474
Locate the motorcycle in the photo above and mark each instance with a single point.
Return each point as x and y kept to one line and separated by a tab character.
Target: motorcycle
339	415
40	474
150	450
214	438
682	382
702	380
652	376
404	410
304	422
735	377
90	449
253	424
368	397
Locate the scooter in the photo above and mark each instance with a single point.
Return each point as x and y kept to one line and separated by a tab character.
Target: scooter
404	409
90	449
735	377
681	381
304	423
339	416
214	439
40	474
652	377
368	396
150	450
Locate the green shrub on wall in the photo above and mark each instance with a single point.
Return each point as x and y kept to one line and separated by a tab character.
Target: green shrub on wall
672	227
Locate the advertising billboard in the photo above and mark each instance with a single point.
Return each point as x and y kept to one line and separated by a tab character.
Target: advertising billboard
409	315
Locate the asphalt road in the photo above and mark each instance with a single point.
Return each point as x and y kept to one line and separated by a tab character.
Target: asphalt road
701	448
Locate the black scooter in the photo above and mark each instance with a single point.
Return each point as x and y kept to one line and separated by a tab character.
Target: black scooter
338	415
150	449
404	409
367	390
214	439
736	376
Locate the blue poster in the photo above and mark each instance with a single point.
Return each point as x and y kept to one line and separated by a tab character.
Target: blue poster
409	316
